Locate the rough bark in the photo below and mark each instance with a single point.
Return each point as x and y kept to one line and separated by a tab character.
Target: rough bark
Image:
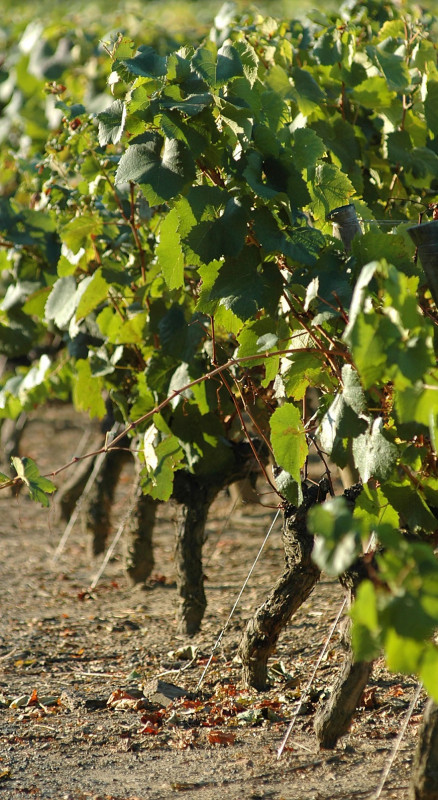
139	531
424	782
195	494
68	496
288	594
101	497
194	501
333	720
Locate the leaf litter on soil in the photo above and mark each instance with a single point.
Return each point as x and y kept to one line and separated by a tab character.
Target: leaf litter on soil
74	666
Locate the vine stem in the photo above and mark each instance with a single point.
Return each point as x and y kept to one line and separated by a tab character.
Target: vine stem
236	602
245	429
156	410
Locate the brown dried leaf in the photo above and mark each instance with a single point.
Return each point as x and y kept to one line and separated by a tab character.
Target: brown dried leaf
221	737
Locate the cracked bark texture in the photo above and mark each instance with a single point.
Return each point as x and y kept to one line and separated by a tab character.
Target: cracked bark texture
424	782
334	718
101	498
139	534
194	500
288	594
194	496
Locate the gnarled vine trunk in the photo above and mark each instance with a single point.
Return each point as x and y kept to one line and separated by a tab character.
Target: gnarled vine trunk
101	498
424	782
195	496
288	594
194	501
139	532
334	718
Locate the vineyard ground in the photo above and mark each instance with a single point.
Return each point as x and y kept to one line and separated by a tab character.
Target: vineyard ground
65	653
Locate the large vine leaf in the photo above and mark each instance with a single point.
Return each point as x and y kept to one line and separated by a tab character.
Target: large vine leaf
169	251
374	456
337	536
38	486
162	167
288	440
112	123
330	188
157	476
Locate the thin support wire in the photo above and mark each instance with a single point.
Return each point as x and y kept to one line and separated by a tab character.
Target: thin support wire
305	694
219	639
116	538
397	743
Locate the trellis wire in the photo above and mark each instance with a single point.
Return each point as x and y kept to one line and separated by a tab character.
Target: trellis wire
219	639
397	743
306	692
87	489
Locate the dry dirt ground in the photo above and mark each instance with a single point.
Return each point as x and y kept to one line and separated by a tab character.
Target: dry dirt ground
75	723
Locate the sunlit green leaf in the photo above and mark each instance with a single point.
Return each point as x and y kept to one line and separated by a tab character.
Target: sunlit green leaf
289	439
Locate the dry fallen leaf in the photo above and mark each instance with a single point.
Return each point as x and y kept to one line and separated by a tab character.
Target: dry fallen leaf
122	701
369	699
220	737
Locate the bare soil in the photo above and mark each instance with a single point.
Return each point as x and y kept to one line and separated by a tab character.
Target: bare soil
75	667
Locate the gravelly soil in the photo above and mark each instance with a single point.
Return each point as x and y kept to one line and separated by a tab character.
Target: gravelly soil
74	720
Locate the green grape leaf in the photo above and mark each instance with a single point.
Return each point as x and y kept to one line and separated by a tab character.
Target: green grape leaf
309	92
288	440
162	167
157	480
340	139
288	487
192	105
112	123
410	505
431	105
77	233
61	302
403	654
87	390
169	251
337	536
374	93
308	148
220	69
330	189
94	293
223	236
374	456
38	486
366	634
428	670
249	60
341	423
417	405
244	289
393	66
146	64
